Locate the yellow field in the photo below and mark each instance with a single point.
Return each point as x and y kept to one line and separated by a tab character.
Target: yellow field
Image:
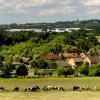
54	95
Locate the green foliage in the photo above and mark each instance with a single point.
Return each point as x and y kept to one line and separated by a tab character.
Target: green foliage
33	64
42	64
6	71
94	72
22	70
62	71
51	65
84	69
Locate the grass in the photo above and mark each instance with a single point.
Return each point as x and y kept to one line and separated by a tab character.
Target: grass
50	96
67	83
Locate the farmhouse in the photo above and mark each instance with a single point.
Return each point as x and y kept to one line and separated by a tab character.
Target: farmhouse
91	60
75	62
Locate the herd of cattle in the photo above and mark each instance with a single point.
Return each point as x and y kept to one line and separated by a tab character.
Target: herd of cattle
46	88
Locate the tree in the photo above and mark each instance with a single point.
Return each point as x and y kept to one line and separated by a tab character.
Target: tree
42	64
22	70
65	71
33	64
56	48
5	71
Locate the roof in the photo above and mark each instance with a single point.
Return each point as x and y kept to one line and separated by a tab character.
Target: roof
25	59
70	54
94	59
78	59
62	63
50	56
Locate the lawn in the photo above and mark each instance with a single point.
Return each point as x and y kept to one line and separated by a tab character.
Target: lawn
67	83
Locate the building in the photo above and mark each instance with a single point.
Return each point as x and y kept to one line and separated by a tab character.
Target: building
70	54
75	62
27	30
91	60
62	63
50	56
25	60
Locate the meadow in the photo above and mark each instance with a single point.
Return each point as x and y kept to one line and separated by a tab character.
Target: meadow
67	83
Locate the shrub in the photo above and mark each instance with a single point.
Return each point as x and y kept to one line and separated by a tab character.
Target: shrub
42	64
84	69
21	70
94	71
65	71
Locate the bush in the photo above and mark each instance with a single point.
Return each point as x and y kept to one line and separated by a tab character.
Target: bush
51	65
21	70
42	64
33	64
65	71
84	69
94	71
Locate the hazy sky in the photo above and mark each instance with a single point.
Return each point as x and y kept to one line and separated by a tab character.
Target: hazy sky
22	11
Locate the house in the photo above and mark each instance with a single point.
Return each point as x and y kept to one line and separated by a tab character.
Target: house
62	63
70	54
25	60
75	62
91	60
50	56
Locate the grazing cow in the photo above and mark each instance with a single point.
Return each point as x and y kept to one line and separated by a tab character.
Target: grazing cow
16	89
76	88
45	88
35	88
61	88
86	87
2	88
27	89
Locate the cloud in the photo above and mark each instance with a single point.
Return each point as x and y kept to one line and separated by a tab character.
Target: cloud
91	2
93	11
23	4
53	11
63	7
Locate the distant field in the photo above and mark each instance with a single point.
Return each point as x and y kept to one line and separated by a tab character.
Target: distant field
68	95
67	83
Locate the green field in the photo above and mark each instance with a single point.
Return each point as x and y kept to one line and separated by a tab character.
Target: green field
67	83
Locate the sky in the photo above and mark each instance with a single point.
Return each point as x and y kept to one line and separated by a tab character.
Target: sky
35	11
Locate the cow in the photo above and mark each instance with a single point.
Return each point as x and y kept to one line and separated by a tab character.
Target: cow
2	88
35	88
16	89
76	88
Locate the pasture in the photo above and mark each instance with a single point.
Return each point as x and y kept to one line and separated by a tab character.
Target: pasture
67	83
